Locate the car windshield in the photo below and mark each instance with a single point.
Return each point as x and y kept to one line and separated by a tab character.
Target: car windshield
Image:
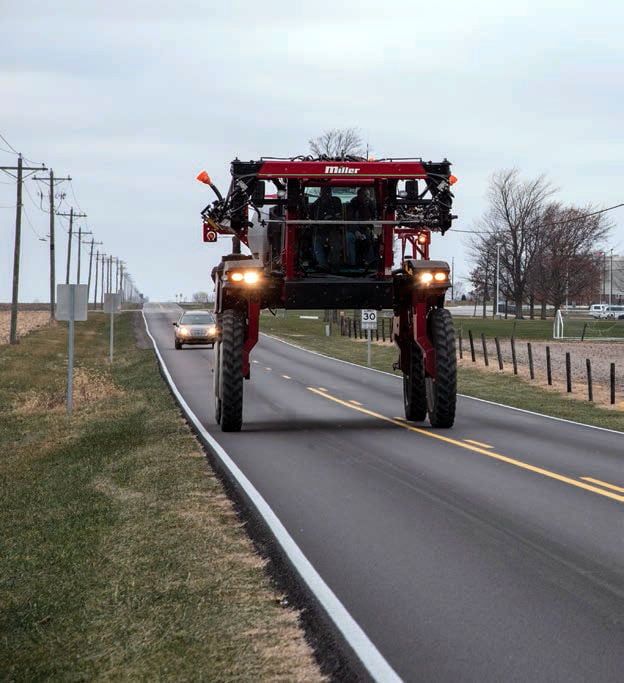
197	319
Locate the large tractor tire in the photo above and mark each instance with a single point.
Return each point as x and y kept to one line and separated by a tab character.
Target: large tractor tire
217	381
442	391
414	394
231	370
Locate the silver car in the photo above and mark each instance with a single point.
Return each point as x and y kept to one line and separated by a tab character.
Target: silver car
195	327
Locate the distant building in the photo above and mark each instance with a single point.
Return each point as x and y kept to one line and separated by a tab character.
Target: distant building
612	281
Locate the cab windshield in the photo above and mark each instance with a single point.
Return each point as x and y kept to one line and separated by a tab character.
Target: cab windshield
350	246
197	319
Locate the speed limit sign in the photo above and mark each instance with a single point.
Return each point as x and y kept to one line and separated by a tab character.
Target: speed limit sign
369	319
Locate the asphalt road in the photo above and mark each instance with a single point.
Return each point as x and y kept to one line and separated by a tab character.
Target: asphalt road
490	552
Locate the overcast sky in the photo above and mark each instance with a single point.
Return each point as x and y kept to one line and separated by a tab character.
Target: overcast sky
134	98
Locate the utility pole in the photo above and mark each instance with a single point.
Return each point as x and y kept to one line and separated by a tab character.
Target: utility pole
80	234
20	168
611	279
95	290
120	285
71	215
102	285
52	180
90	268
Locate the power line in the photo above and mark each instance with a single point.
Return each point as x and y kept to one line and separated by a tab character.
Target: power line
543	225
6	142
71	186
14	151
33	201
32	227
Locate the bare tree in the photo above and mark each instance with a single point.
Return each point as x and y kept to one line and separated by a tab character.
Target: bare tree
338	143
566	267
513	221
482	276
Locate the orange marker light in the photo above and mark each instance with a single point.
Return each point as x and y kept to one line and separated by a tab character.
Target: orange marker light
452	180
203	177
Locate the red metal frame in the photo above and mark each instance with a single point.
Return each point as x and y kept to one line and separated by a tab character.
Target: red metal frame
411	321
251	338
355	170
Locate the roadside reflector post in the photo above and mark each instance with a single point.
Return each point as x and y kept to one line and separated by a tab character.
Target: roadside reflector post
70	352
71	305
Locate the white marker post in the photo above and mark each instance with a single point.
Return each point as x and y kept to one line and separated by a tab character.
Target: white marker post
369	322
71	305
112	303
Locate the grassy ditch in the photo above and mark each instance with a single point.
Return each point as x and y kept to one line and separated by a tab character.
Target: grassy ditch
472	381
121	555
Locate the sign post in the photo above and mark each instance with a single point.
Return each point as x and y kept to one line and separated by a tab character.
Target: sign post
112	303
369	322
71	306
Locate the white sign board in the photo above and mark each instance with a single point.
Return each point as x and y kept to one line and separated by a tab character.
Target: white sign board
65	295
369	319
112	303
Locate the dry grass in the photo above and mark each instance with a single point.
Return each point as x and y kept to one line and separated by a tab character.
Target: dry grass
27	321
89	386
122	556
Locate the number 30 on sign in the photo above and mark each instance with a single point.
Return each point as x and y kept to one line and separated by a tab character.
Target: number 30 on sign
369	319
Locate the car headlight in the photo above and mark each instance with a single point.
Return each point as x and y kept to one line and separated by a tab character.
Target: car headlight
184	331
212	329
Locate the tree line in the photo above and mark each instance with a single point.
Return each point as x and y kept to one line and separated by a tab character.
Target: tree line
546	253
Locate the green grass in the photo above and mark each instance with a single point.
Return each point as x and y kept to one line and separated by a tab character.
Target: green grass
539	329
121	555
501	388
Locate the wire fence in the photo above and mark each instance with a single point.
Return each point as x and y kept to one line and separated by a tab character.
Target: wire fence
581	367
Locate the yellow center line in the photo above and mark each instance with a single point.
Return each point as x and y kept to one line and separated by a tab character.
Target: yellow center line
286	376
268	369
478	443
355	403
476	449
319	389
604	483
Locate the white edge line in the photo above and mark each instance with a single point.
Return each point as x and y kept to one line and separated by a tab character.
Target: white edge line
363	647
472	398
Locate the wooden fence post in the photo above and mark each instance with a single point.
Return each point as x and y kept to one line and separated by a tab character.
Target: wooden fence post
472	348
590	388
514	360
568	373
612	382
485	353
548	367
498	353
530	354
